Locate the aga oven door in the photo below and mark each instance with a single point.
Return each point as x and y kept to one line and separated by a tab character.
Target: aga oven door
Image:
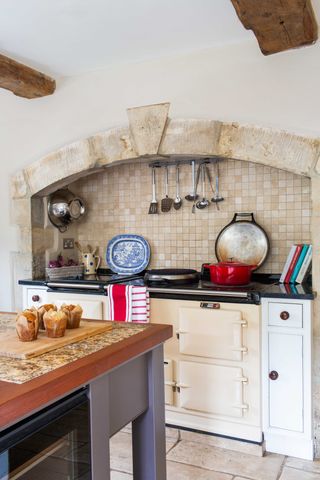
215	333
215	389
51	444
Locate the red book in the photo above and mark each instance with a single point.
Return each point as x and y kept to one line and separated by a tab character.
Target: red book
293	263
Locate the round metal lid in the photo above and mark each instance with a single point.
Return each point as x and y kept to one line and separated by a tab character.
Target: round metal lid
242	240
171	274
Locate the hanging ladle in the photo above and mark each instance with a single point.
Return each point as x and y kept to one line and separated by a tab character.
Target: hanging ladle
201	204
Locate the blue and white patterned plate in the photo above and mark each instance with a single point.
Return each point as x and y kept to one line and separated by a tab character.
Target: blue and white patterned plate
128	254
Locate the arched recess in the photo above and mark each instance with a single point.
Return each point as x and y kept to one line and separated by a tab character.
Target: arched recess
152	134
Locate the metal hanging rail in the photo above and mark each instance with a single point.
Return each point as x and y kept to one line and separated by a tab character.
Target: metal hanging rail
198	161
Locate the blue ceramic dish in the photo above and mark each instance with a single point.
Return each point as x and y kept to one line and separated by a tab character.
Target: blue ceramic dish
128	254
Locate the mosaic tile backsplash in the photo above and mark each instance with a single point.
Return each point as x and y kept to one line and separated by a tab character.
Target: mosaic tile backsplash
118	201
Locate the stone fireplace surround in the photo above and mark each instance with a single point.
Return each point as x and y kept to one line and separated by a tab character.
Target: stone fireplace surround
152	134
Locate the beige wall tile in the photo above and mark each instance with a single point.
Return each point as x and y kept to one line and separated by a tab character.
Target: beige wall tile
118	201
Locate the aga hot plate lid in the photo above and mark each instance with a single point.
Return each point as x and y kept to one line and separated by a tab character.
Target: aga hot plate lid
171	274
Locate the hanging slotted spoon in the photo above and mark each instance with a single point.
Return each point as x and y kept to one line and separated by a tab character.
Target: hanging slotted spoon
192	196
177	201
154	204
201	204
166	203
217	197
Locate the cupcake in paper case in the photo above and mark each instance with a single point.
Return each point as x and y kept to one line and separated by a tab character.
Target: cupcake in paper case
73	313
27	325
55	323
42	310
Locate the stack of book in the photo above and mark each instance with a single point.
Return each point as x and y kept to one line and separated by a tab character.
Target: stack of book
298	264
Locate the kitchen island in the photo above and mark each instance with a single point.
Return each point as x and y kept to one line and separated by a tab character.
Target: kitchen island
122	381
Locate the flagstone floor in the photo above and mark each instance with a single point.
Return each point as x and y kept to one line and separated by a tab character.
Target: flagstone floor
200	460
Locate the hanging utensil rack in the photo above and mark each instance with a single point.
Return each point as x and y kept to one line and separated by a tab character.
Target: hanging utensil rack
173	163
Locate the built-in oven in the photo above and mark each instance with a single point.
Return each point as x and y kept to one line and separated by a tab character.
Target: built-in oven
52	444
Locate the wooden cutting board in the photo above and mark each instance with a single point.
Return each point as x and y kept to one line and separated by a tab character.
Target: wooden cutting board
11	346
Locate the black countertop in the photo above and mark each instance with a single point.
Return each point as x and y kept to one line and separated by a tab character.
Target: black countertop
262	286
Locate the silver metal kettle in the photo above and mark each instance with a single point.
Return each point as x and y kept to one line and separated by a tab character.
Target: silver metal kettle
63	208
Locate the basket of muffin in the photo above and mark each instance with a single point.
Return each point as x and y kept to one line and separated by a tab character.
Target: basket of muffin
49	318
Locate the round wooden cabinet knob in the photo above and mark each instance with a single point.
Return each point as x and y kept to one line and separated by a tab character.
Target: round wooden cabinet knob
273	375
284	315
35	298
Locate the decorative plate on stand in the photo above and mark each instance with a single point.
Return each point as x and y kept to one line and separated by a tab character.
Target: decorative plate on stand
128	254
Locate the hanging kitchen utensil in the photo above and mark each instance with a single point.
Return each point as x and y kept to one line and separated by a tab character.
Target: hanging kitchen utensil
212	189
217	197
154	204
243	240
196	189
201	204
166	203
63	208
193	195
177	201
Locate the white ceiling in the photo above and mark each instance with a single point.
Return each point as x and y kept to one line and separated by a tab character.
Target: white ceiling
69	37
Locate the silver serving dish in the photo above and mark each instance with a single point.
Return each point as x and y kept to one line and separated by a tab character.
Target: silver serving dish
242	241
63	208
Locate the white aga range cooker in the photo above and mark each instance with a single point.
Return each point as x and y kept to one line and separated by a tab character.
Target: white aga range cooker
239	363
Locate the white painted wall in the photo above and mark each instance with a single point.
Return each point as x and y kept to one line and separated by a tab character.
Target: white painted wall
234	83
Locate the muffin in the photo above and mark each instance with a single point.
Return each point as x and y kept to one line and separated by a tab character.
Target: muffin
55	323
74	314
27	325
42	310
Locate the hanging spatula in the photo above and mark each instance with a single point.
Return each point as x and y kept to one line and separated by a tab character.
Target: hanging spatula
154	204
166	202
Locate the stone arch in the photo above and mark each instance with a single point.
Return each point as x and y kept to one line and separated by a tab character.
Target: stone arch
152	134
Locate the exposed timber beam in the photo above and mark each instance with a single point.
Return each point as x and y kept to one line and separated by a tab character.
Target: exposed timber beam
24	81
278	24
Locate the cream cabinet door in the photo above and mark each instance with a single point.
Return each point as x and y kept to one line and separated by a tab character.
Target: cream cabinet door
211	333
94	306
34	297
286	389
214	389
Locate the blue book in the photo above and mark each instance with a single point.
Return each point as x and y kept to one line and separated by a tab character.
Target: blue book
296	270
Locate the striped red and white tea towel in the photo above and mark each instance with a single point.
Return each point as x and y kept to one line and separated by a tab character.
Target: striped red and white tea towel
128	303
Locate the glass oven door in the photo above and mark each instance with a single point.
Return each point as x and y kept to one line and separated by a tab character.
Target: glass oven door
51	444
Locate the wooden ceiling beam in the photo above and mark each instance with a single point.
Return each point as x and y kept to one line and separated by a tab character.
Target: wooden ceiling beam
279	25
24	81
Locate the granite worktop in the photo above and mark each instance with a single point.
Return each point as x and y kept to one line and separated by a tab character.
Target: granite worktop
21	371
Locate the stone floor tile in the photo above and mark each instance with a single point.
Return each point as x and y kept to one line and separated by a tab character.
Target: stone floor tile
229	443
121	451
305	465
294	474
120	475
227	461
180	471
173	433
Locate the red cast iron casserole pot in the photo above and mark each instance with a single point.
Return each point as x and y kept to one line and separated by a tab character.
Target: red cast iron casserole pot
230	273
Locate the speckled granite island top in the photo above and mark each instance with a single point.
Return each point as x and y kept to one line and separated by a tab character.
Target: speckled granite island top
28	385
20	371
